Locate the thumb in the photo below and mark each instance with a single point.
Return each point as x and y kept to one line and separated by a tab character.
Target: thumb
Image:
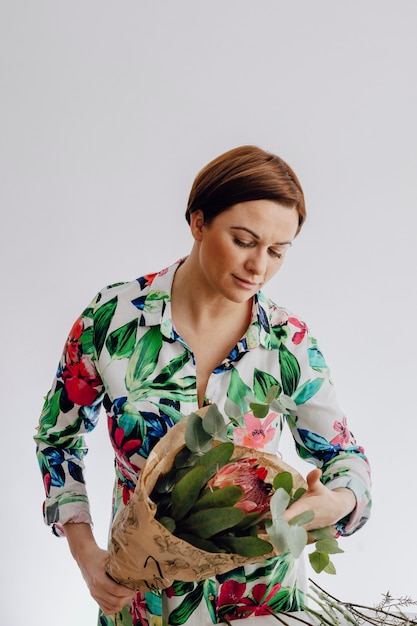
313	478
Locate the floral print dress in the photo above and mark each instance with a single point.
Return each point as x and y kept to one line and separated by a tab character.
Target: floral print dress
123	354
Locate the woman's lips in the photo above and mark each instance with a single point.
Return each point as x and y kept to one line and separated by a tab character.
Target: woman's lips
247	284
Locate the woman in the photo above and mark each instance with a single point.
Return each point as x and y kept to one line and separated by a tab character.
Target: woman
157	348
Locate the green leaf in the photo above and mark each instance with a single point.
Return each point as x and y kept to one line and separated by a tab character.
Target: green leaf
237	391
120	342
186	491
143	361
231	409
225	496
168	522
265	386
307	390
278	533
198	542
290	370
245	546
196	438
213	422
102	320
50	412
283	480
283	404
330	569
187	607
322	533
319	561
297	540
329	546
216	458
279	503
210	522
297	494
259	410
302	518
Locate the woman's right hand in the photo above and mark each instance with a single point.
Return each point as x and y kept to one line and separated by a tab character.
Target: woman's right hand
91	559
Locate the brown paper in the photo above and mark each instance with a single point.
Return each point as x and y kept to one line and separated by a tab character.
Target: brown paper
144	555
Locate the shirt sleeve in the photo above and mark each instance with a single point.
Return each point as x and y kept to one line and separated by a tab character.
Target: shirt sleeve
70	411
319	426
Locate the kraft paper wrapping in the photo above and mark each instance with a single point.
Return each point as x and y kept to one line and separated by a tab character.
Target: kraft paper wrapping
144	555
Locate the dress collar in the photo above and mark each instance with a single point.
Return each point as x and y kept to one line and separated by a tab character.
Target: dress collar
156	310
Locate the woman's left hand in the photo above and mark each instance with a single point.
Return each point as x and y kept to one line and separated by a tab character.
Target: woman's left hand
329	506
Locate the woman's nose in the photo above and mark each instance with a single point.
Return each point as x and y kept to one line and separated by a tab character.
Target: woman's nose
257	263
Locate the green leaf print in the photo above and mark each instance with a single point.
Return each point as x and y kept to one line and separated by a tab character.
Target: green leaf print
187	607
262	382
238	390
173	367
50	412
102	320
210	598
86	340
143	361
290	370
183	390
307	390
120	342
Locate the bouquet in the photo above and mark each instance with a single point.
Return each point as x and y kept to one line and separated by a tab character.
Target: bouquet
203	506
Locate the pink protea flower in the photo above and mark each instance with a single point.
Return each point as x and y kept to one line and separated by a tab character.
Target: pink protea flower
247	474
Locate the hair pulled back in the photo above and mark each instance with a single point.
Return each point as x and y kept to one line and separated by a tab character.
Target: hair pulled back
243	174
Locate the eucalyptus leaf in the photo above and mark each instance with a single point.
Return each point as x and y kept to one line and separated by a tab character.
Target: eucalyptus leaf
231	409
329	546
279	503
283	480
283	404
278	533
196	438
319	561
259	410
297	540
213	422
272	393
322	533
330	569
302	518
186	491
297	494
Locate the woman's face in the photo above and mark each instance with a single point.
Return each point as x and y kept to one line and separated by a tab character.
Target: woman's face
244	246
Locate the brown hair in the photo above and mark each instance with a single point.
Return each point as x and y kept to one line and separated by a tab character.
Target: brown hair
243	174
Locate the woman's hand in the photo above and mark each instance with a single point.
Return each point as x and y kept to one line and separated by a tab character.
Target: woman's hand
109	595
329	506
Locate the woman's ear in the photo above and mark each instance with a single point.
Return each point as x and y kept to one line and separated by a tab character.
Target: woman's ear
197	224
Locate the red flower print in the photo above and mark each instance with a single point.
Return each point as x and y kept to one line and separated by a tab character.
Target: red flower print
257	432
299	335
259	601
343	437
138	611
231	593
81	380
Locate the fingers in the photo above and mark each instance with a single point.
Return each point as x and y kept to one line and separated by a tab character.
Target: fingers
313	478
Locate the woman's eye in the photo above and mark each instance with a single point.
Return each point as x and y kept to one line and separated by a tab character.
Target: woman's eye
242	244
276	254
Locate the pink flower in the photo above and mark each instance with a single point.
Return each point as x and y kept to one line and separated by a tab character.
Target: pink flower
343	438
245	473
299	335
257	432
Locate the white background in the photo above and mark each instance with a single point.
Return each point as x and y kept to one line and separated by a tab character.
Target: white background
108	110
